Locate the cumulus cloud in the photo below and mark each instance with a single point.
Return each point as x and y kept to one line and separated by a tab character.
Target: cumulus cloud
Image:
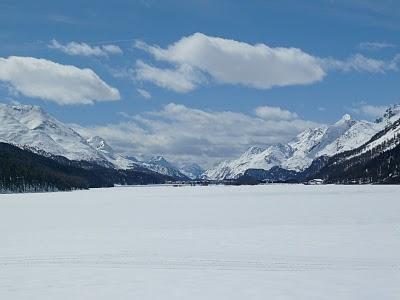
232	62
145	94
47	80
275	113
182	79
183	133
83	49
198	57
369	110
112	49
361	63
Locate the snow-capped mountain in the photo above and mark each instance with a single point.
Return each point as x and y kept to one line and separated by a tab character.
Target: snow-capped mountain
191	170
346	134
391	115
31	127
253	158
376	161
182	170
297	155
386	139
160	165
117	160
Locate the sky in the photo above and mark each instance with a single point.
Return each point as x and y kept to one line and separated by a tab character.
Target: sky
200	81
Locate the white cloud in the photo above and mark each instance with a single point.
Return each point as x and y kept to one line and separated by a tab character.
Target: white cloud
361	63
369	110
47	80
225	61
183	133
374	46
182	79
145	94
112	49
83	49
274	113
233	62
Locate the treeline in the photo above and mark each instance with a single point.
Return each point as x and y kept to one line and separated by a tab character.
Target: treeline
370	167
379	164
24	171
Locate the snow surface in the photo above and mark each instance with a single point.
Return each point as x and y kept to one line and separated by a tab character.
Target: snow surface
217	242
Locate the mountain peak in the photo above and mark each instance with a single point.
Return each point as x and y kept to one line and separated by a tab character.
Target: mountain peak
31	116
26	107
26	110
391	114
255	150
30	126
158	158
99	144
161	165
325	140
346	118
161	161
23	109
191	170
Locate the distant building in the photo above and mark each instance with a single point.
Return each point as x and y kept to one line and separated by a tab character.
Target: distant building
315	181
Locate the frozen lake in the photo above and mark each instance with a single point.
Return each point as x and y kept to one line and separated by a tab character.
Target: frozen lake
217	242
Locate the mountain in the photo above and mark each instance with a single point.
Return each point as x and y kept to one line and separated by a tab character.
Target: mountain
108	153
160	165
298	154
30	127
376	161
191	170
347	151
253	158
344	135
24	171
180	171
391	115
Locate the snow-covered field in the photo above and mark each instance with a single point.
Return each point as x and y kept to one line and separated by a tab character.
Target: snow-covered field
263	242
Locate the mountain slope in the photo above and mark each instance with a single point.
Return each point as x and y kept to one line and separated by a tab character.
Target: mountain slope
297	155
108	153
30	127
191	170
377	161
160	165
344	135
253	158
24	171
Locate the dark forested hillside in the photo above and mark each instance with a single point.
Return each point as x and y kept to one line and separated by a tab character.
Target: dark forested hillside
275	174
22	171
377	161
366	168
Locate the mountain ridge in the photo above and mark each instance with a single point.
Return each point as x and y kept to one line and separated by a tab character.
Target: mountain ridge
297	155
31	128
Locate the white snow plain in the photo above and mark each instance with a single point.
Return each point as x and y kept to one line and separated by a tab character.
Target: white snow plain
216	242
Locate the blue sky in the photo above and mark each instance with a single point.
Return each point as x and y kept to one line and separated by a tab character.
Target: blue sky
135	76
